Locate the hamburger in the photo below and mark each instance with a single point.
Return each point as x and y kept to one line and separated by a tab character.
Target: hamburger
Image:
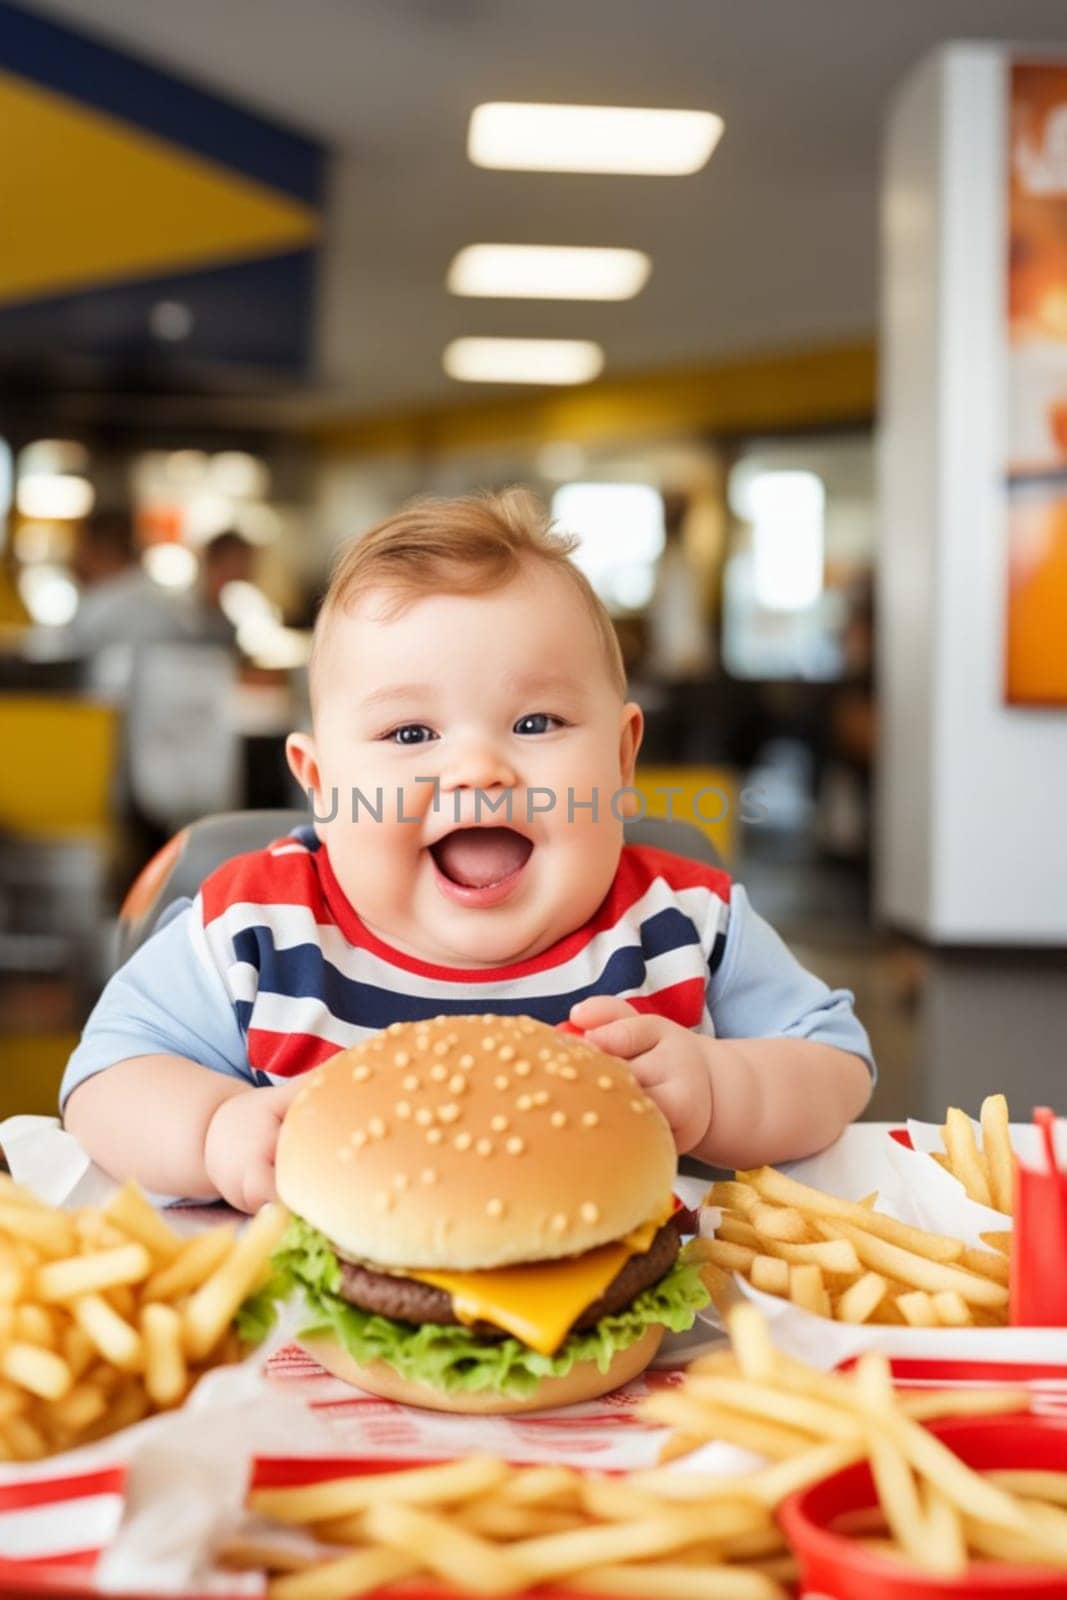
483	1217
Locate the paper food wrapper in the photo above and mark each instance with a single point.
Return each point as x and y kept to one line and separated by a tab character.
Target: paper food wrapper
918	1191
938	1201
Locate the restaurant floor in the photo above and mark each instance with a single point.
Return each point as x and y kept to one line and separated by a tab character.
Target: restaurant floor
947	1026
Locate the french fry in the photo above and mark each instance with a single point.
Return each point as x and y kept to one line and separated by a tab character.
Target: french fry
24	1439
209	1312
754	1351
85	1403
918	1270
1034	1485
12	1274
898	1495
731	1257
1000	1158
1020	1547
771	1274
951	1309
987	1263
774	1185
114	1338
732	1196
808	1291
339	1497
194	1263
165	1372
465	1559
37	1370
34	1324
80	1275
735	1230
918	1309
964	1403
965	1158
780	1222
557	1555
350	1575
50	1231
832	1255
945	1548
810	1416
540	1486
134	1216
677	1582
862	1298
763	1437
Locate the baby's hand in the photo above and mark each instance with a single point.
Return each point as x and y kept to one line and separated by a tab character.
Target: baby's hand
240	1142
669	1061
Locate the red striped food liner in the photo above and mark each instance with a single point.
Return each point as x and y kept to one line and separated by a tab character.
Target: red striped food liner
63	1522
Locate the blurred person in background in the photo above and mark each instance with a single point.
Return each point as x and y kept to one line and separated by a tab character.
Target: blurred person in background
120	605
679	656
225	559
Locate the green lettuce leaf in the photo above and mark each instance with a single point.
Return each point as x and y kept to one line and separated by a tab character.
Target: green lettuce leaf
449	1356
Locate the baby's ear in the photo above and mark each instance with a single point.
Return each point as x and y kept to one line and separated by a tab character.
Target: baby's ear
304	764
631	733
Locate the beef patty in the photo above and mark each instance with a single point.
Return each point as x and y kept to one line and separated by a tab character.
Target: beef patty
407	1300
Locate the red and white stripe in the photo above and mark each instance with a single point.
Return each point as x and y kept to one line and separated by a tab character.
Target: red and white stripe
63	1522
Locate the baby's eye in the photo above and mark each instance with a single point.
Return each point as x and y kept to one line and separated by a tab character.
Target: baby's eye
410	733
540	719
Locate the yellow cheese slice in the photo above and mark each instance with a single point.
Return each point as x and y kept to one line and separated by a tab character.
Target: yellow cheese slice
540	1302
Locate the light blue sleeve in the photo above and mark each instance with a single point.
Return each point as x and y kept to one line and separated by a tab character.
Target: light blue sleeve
168	998
760	990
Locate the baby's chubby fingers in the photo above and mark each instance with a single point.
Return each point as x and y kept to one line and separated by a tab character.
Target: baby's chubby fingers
597	1009
629	1036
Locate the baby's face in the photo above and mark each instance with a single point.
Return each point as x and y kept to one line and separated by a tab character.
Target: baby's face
479	724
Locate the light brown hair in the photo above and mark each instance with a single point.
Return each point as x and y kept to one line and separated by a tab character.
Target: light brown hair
467	545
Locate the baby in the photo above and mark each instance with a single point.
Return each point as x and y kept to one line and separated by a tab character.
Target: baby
470	763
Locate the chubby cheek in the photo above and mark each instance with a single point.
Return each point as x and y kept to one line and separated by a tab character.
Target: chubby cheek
374	862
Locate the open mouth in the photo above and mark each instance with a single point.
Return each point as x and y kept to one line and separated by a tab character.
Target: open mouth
481	858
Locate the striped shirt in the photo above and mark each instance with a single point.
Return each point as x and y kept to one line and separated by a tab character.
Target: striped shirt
270	970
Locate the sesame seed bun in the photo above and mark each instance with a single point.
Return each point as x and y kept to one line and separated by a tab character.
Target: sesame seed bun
583	1382
473	1142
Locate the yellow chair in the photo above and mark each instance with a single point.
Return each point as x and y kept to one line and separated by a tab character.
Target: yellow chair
703	795
31	1066
57	777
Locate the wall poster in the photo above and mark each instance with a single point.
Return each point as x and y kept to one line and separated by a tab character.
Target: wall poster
1036	642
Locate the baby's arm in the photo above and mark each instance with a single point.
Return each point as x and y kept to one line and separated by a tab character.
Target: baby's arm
788	1069
159	1088
776	1100
181	1129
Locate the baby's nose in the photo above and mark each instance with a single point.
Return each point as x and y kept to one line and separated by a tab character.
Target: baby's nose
479	764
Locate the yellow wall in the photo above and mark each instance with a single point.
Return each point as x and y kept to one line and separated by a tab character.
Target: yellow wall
807	388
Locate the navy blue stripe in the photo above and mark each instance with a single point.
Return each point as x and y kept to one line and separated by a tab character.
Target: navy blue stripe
121	84
718	950
667	930
302	972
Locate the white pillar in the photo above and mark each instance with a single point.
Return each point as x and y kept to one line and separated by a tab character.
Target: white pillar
972	804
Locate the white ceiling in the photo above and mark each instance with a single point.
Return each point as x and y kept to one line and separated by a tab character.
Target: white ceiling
773	244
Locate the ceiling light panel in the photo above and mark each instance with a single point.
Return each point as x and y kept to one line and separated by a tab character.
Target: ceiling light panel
548	272
523	360
562	138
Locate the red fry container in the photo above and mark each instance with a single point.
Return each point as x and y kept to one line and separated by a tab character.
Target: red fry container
1039	1237
840	1568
